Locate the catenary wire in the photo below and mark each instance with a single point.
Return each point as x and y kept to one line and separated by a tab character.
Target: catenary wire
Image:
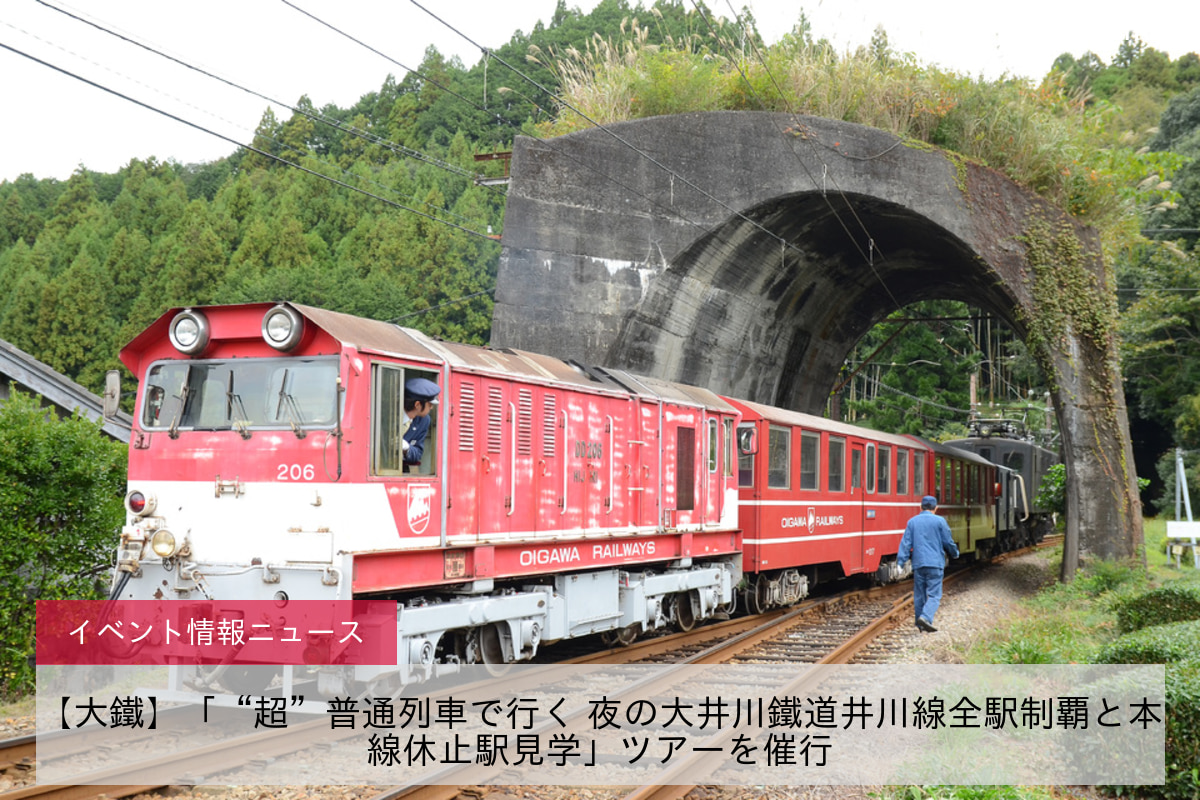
621	140
236	143
868	257
273	140
315	117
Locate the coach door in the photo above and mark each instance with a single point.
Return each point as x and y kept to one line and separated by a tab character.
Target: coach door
856	512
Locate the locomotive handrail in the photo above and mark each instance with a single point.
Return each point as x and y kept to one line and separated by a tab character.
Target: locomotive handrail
512	459
1024	498
564	464
612	432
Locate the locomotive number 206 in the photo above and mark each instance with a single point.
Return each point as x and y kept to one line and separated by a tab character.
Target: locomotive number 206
296	472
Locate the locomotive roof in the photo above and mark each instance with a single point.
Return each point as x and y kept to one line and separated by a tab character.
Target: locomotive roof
1000	444
386	338
785	417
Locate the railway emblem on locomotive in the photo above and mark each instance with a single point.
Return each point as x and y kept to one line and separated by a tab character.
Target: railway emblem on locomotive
420	500
812	518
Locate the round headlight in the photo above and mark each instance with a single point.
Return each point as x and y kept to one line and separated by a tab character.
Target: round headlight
189	332
139	504
282	328
163	543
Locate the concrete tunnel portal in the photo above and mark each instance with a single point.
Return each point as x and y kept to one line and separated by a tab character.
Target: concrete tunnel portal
717	250
771	304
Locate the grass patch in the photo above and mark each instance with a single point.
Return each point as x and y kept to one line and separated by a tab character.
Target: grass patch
1070	623
23	707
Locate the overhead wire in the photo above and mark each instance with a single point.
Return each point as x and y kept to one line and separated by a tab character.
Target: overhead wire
273	140
236	143
315	117
544	142
872	247
605	129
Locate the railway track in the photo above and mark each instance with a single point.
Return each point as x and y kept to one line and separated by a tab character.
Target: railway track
833	630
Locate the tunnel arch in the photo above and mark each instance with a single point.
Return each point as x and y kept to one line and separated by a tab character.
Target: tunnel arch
772	319
726	250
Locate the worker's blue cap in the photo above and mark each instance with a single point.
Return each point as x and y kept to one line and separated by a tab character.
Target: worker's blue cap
422	389
928	501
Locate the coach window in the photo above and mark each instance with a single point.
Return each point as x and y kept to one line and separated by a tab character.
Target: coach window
810	460
728	448
870	469
901	471
745	461
937	480
885	470
919	474
837	465
714	445
779	458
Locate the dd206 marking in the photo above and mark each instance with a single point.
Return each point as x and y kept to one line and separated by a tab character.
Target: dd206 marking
296	472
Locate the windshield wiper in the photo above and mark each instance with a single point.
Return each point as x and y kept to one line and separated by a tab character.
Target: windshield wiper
184	394
234	403
286	401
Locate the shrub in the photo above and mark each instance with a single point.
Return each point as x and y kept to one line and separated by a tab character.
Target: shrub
62	484
1162	644
1182	779
1175	602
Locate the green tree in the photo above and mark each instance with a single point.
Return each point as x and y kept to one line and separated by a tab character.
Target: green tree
75	315
62	484
1129	52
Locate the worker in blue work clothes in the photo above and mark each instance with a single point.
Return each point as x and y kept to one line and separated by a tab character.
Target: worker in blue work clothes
420	396
926	538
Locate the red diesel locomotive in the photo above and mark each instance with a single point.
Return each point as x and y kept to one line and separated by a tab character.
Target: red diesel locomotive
551	501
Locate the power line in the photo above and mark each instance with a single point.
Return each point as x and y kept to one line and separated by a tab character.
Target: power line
608	131
315	117
236	143
868	256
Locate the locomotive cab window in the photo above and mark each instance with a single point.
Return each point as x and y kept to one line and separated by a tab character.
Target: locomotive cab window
245	395
397	420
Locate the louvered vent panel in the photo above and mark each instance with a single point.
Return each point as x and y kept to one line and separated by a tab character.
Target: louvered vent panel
549	420
495	433
525	422
466	417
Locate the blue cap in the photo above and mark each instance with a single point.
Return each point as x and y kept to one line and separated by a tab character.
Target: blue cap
421	389
928	501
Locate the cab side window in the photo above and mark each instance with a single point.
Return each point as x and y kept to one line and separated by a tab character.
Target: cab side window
389	422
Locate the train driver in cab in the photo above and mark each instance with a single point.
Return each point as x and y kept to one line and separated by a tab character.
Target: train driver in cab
420	396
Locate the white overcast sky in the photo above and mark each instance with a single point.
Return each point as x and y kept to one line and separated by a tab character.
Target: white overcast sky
53	123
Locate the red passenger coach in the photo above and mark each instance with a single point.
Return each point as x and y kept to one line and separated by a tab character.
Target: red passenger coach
550	500
821	500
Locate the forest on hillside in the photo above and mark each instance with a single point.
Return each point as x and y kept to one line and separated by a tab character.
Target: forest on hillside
375	209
